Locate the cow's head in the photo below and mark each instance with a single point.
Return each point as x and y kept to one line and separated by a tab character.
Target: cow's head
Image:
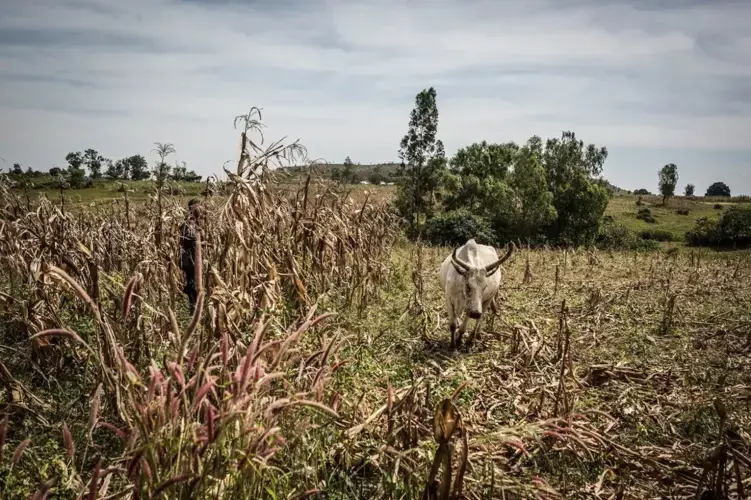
476	280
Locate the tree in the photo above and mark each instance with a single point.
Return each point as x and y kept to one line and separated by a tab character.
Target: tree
423	162
55	171
537	192
533	202
485	160
75	160
375	176
348	172
571	169
93	161
561	157
17	170
179	172
139	168
580	206
76	177
718	189
668	176
477	178
76	174
192	176
642	192
689	190
336	174
114	169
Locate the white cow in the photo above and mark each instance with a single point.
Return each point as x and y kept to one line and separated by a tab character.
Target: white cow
470	278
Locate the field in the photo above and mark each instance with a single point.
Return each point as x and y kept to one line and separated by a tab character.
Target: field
105	192
317	364
623	208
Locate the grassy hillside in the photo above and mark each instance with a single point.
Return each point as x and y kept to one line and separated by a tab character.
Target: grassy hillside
624	209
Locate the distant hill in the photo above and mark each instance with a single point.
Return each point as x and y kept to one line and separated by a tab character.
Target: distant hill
612	187
362	172
386	170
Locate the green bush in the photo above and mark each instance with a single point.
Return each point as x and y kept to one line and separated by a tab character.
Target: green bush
456	227
718	206
703	233
645	214
732	229
618	237
656	235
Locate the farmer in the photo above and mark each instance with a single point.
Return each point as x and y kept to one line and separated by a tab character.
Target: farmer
188	250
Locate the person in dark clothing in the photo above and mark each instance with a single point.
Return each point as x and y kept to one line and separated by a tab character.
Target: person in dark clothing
188	251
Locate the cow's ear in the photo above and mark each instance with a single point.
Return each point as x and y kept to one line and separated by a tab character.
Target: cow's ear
457	268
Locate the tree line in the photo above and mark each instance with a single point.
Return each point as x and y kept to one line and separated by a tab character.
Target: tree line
668	180
133	167
540	192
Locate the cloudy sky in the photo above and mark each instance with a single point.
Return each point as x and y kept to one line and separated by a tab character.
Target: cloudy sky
656	81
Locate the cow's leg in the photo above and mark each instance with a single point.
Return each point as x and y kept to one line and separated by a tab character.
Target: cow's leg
462	329
452	321
478	324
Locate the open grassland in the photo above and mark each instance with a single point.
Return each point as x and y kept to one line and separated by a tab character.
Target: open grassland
318	357
105	193
677	217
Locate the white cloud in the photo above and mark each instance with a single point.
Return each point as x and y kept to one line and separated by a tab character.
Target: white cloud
342	76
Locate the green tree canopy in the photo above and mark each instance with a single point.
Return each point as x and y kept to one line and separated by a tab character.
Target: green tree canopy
668	177
718	189
347	174
93	161
76	174
538	192
423	162
137	166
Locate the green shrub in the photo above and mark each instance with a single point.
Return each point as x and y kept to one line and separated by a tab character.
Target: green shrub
656	235
732	229
718	206
645	214
619	237
703	233
456	227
